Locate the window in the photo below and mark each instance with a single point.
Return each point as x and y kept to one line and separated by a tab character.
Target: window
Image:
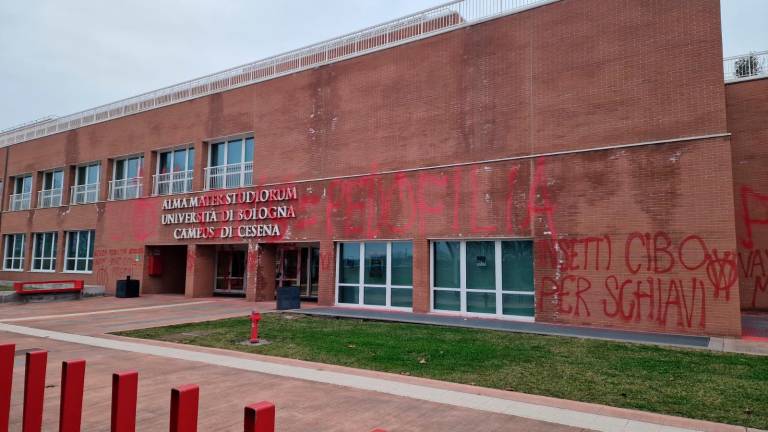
13	252
44	252
375	274
86	188
175	170
483	277
126	178
22	193
230	164
79	251
50	194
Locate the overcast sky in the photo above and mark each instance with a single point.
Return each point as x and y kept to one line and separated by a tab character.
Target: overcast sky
58	57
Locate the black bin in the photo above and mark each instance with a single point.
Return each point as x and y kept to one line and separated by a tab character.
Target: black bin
288	297
127	288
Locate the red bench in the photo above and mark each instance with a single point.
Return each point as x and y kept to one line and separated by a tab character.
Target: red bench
48	287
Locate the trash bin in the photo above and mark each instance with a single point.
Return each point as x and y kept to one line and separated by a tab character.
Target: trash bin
288	297
127	288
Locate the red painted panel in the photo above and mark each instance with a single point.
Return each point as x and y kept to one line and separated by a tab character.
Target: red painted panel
184	402
7	352
125	386
72	387
34	391
260	417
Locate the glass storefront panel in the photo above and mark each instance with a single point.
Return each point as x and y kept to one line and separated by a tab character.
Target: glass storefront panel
447	300
517	266
481	265
375	263
349	265
375	296
518	304
349	294
402	263
446	265
402	297
481	302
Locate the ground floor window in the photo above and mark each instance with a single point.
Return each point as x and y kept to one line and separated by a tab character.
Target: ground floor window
13	252
79	251
483	277
44	252
375	274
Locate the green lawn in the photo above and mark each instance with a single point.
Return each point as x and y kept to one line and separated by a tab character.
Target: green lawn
725	388
6	287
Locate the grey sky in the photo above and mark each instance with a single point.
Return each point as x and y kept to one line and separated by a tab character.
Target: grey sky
59	57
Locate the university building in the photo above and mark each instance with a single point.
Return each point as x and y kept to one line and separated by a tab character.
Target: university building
580	162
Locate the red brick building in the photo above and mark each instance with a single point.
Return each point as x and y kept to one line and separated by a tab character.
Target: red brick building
572	161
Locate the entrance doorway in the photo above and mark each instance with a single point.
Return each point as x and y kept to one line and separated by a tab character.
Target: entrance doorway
230	271
298	265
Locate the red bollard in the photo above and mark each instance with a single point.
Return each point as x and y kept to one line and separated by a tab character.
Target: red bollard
125	386
72	387
184	401
7	352
34	391
260	417
255	318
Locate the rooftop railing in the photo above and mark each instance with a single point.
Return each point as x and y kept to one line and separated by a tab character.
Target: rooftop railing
429	22
746	66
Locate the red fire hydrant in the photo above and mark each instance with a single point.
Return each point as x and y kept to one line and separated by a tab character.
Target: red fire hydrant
255	318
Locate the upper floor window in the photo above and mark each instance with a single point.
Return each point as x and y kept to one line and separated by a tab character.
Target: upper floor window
126	178
175	170
230	164
52	188
86	188
21	197
13	252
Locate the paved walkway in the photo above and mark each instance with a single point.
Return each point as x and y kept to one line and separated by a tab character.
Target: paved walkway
309	396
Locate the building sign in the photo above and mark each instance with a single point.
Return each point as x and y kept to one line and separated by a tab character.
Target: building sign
244	214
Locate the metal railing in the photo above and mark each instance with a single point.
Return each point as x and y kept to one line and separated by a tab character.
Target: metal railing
124	189
49	198
84	194
229	176
172	183
430	22
21	201
746	66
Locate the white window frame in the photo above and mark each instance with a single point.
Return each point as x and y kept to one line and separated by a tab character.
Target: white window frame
37	237
91	240
51	192
6	249
463	290
184	176
22	200
84	185
126	188
242	170
361	278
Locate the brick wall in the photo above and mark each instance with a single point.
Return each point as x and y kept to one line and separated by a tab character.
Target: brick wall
747	114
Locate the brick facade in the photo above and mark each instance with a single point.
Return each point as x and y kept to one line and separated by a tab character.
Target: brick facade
597	129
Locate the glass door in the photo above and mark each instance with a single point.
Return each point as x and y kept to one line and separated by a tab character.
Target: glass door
230	272
299	267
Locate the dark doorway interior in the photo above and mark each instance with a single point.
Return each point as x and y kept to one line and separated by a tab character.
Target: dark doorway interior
165	270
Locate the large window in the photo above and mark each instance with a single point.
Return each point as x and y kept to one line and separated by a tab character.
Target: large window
44	252
51	191
126	178
375	274
230	164
483	277
79	252
175	170
22	193
13	252
86	188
